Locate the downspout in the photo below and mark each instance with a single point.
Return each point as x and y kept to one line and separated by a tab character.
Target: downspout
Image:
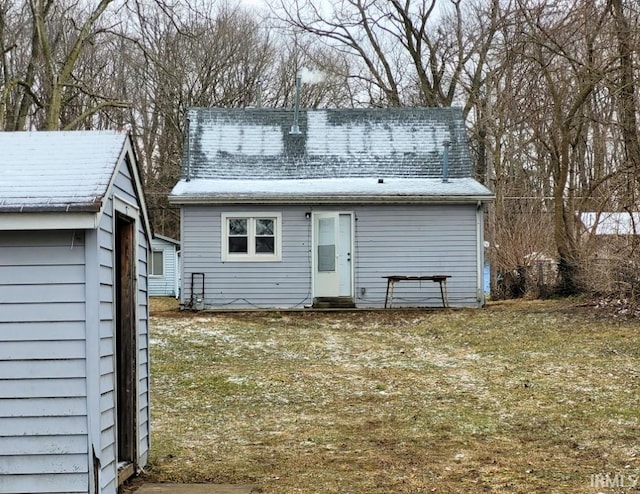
176	271
480	253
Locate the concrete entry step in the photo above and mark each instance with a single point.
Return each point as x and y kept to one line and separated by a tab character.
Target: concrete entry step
194	489
333	303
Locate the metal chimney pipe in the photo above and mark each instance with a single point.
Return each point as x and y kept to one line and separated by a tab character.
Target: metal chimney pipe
295	128
259	94
188	130
445	161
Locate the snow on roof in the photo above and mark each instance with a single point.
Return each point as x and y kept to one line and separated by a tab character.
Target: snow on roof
380	138
246	143
310	189
250	155
57	171
612	223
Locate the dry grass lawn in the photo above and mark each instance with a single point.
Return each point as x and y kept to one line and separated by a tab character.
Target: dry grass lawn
526	397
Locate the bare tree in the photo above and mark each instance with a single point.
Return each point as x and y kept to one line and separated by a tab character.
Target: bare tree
46	47
326	84
19	47
558	55
184	58
627	99
548	88
409	52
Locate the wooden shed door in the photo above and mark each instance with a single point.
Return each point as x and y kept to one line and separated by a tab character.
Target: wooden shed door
125	347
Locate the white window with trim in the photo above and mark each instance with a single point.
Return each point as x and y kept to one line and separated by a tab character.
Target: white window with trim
251	237
157	263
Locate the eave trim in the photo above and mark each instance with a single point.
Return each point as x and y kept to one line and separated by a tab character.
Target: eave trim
325	199
48	221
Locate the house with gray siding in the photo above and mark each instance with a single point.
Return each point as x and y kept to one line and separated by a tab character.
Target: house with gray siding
164	267
292	209
74	354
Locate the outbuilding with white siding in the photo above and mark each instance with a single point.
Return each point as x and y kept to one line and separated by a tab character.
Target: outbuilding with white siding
286	208
74	360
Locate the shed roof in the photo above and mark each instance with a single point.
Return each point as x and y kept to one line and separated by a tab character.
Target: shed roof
57	171
607	223
247	154
60	180
169	240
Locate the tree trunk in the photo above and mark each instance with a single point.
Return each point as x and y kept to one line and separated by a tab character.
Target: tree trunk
627	100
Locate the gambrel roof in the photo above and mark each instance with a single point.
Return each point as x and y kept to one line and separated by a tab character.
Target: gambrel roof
338	154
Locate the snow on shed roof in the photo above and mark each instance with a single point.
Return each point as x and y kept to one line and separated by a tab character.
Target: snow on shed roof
57	171
331	189
157	236
612	223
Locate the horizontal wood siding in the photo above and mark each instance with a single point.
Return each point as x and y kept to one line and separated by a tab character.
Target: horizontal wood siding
41	369
44	483
43	408
45	445
416	241
403	240
286	283
164	285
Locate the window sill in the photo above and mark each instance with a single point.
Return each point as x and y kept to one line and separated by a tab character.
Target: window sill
252	259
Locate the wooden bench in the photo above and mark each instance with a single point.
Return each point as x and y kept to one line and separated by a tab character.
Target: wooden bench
436	278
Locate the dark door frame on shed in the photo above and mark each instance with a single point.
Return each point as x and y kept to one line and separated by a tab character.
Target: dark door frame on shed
125	347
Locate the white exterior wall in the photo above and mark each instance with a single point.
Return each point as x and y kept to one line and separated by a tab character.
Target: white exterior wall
388	240
43	407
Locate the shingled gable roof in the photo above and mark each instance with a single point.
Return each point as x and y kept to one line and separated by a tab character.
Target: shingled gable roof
252	155
65	173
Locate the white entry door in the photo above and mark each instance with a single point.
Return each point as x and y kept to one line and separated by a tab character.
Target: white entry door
332	260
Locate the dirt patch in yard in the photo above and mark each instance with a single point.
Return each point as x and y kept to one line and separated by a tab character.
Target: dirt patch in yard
518	397
167	306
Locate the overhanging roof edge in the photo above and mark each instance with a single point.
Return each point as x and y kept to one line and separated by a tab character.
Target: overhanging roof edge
328	199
